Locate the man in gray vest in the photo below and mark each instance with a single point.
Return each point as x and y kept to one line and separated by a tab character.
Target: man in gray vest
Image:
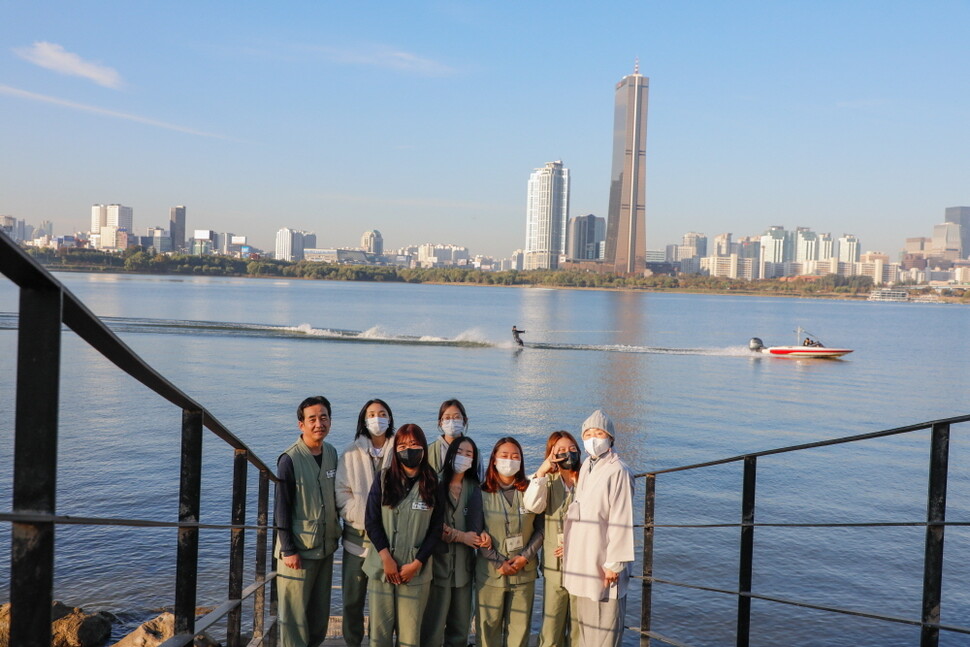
308	528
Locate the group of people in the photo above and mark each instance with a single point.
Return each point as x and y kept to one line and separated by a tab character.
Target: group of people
434	537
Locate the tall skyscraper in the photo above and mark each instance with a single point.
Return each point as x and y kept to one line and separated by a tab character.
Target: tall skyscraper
121	217
547	212
584	235
176	227
961	216
626	233
372	242
99	217
290	244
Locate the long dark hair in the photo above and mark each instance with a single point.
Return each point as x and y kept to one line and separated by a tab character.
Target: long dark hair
395	478
492	482
448	470
362	420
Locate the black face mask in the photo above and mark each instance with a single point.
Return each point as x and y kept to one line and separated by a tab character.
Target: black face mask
568	461
410	457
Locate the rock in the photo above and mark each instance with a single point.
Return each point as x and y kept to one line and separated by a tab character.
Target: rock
70	626
158	630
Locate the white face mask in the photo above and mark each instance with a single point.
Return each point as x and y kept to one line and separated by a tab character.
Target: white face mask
377	426
462	463
507	466
596	446
453	428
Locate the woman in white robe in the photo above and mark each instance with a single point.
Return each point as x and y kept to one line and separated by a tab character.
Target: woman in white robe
599	544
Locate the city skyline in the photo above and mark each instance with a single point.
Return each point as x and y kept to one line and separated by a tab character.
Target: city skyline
759	114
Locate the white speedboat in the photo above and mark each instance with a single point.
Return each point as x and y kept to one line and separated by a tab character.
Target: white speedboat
810	348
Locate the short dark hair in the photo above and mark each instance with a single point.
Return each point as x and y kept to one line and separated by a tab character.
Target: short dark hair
362	420
312	401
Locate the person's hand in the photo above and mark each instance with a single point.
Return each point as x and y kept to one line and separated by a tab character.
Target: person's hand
549	466
410	570
293	561
391	571
507	568
470	538
448	534
485	541
519	562
610	578
560	551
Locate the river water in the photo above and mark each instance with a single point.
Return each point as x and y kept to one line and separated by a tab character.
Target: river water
673	370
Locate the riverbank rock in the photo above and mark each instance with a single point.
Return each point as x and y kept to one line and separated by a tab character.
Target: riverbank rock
70	626
158	630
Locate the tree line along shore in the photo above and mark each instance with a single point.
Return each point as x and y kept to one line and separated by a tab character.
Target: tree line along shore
138	260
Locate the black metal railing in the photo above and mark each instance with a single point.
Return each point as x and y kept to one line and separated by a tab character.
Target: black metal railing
930	620
45	304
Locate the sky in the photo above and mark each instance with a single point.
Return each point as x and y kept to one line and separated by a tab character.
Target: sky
424	120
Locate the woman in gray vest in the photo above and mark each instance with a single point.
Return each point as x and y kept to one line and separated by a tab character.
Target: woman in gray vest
447	620
404	521
453	423
508	559
551	491
363	459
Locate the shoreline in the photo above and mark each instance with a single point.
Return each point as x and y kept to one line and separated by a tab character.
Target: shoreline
654	290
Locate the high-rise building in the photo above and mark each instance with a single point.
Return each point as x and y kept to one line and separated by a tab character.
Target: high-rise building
547	212
947	241
290	244
119	216
99	218
806	245
583	237
372	242
176	227
849	249
626	238
961	216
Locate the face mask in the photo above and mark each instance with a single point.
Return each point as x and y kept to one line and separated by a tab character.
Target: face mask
596	446
453	428
462	463
568	461
410	457
507	466
377	426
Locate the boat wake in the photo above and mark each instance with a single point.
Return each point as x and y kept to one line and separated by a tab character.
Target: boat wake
471	338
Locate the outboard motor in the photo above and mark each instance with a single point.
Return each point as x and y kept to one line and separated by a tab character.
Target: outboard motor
756	344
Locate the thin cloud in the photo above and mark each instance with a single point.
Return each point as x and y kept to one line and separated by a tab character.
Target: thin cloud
31	96
386	57
54	57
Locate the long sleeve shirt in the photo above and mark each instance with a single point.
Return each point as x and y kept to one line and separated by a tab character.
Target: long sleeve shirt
283	507
374	523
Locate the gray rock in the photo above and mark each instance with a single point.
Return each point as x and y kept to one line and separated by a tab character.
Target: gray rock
70	626
158	630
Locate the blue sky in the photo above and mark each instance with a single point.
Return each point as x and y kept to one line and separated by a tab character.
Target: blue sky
424	120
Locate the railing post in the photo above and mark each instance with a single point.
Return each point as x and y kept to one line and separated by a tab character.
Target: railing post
935	517
273	593
190	487
262	515
646	601
745	563
237	544
35	466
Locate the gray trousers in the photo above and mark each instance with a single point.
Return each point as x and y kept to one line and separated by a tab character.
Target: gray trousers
304	601
354	592
505	615
396	608
448	616
600	623
559	625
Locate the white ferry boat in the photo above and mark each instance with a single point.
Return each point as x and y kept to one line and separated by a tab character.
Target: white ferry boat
888	294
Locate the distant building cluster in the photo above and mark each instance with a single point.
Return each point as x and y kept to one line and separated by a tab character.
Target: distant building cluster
780	253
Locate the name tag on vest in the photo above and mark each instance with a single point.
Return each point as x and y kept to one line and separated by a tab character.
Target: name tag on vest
513	543
331	473
522	510
419	505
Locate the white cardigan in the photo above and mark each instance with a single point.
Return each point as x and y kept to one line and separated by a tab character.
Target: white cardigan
355	473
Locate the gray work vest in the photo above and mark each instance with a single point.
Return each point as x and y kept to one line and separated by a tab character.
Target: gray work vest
557	501
314	522
501	522
406	525
454	563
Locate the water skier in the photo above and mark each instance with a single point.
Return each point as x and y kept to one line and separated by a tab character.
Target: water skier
515	336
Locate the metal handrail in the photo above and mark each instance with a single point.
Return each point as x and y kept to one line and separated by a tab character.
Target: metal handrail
935	526
46	305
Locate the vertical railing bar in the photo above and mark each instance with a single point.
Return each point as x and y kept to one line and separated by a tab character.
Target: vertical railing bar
646	601
237	545
262	515
933	554
190	488
35	465
746	559
273	593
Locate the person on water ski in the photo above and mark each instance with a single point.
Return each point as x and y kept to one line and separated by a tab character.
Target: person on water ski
515	335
